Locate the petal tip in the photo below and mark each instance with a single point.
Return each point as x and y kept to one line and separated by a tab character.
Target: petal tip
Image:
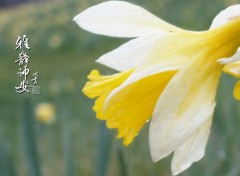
154	158
155	155
77	19
178	168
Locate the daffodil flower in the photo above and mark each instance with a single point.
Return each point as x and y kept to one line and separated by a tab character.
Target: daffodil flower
165	72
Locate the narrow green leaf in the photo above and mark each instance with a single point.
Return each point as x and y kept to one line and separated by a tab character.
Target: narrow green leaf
28	139
121	162
67	144
6	165
105	146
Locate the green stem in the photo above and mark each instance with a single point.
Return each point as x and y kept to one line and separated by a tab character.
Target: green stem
29	140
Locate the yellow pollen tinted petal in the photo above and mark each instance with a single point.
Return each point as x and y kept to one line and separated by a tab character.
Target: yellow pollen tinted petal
100	86
130	108
224	39
236	91
233	18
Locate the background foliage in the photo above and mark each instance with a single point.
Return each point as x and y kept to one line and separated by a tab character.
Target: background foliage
76	143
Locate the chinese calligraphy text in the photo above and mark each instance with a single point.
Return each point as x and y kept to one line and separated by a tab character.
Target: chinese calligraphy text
22	44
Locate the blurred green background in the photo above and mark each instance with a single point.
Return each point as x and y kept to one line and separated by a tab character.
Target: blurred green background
75	143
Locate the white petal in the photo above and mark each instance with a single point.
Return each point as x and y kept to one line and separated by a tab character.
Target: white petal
121	19
192	150
130	54
234	58
185	104
226	15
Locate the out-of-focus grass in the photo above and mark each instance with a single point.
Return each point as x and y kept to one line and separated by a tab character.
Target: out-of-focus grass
63	55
